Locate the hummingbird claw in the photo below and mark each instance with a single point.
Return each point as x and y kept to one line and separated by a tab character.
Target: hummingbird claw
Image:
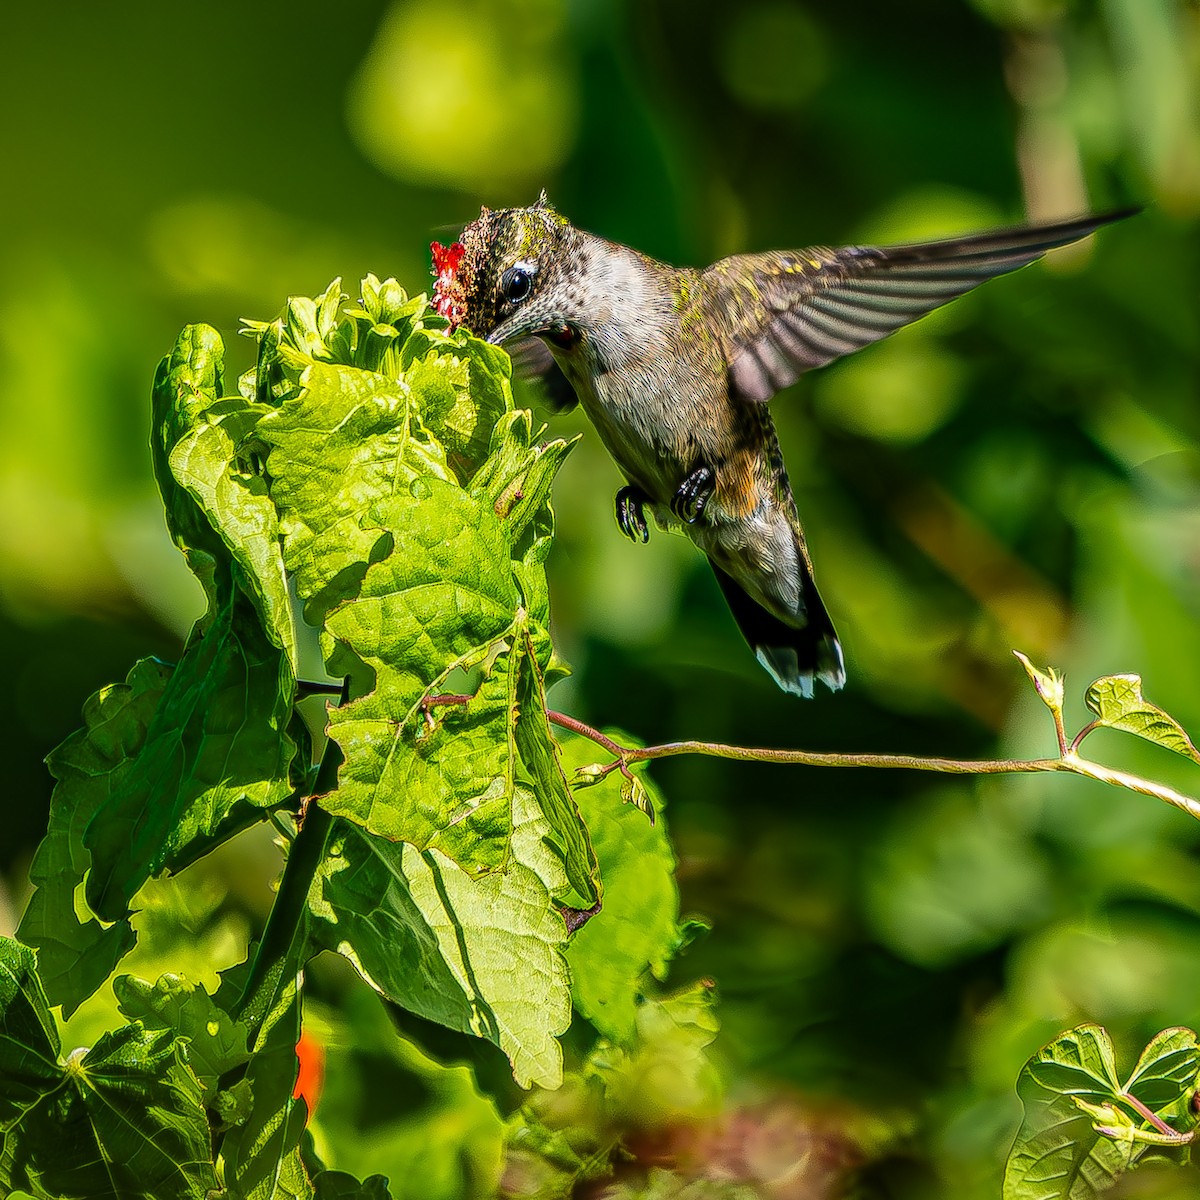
630	516
693	494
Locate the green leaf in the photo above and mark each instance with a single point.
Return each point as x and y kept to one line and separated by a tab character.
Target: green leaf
515	480
443	605
217	743
348	440
123	1119
233	1105
539	755
29	1043
518	472
480	956
462	386
1117	702
423	588
212	461
1166	1073
216	497
260	1156
215	1042
443	601
291	1181
188	382
1071	1086
309	324
637	929
76	957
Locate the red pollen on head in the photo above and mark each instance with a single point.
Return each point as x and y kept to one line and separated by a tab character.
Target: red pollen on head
448	292
446	258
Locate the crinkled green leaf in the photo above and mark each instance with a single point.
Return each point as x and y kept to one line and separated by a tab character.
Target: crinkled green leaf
188	382
29	1043
308	324
216	743
212	461
444	606
75	957
515	480
387	303
482	956
268	381
462	387
517	475
216	1043
637	929
372	333
1058	1153
539	755
423	588
348	440
443	600
1117	702
123	1119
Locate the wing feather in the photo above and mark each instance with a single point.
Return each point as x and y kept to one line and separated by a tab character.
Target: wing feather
791	312
533	361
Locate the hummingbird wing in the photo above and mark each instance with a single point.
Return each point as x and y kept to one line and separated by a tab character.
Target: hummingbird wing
788	312
533	361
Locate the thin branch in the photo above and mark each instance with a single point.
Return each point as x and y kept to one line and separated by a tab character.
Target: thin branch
1060	730
810	758
1147	1114
587	731
1135	783
1068	761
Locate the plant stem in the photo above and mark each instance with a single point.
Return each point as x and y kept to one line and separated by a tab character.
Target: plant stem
281	950
1155	1120
1067	761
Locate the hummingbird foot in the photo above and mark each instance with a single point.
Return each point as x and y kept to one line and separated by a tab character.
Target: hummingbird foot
693	494
630	516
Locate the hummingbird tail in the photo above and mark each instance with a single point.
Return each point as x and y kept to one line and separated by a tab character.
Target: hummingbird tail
793	656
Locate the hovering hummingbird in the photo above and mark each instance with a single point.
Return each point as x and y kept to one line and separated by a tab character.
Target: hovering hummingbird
674	367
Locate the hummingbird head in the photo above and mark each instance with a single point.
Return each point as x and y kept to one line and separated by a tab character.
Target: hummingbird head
511	279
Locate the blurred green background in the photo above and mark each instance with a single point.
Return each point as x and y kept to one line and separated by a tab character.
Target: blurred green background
1020	470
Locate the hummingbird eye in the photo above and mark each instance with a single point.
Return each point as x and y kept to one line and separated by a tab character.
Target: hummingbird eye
516	283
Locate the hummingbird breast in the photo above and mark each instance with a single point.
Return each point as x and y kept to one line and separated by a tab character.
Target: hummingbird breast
660	418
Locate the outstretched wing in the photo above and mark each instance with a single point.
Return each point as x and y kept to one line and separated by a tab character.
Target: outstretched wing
789	312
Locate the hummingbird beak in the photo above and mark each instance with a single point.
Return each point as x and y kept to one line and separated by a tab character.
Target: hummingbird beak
518	325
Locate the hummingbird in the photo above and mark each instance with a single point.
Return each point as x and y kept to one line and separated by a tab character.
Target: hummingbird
674	367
